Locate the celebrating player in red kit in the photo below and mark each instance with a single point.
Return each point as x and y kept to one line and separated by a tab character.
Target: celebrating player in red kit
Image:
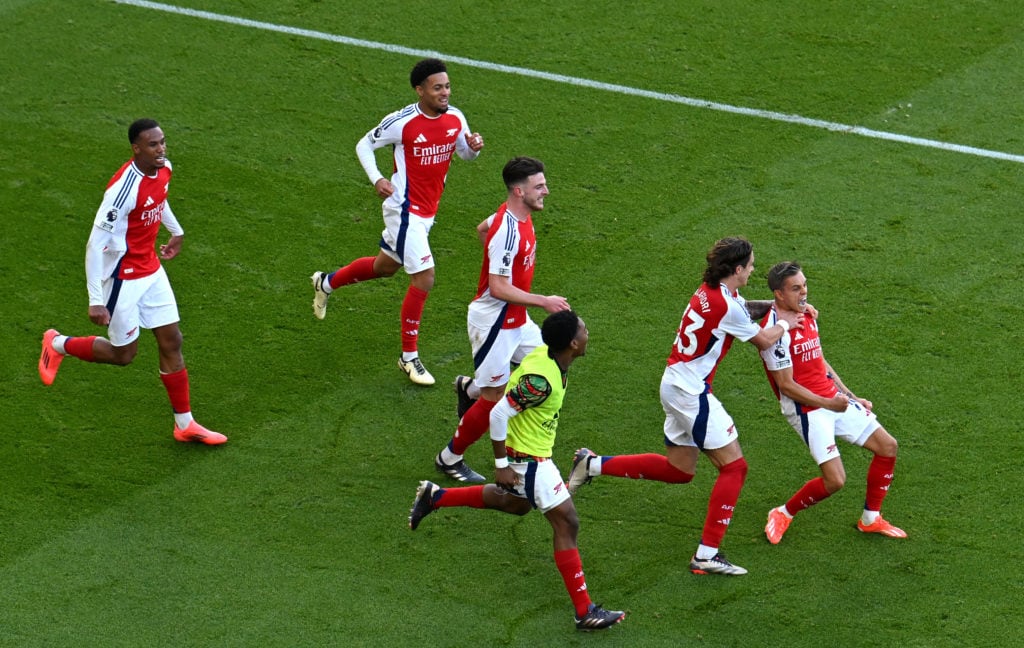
128	287
695	420
821	409
423	136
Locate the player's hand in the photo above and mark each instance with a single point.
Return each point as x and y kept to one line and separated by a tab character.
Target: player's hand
555	303
99	315
170	249
506	478
811	310
865	403
384	187
796	320
838	403
474	141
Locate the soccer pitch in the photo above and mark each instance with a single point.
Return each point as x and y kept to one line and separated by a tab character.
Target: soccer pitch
880	145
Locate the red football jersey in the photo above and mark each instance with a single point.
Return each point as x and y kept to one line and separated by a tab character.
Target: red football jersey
131	212
712	318
423	148
801	350
510	250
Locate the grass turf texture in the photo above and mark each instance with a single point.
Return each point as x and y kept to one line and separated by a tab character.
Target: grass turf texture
294	533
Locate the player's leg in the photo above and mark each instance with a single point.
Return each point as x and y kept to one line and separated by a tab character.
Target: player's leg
158	311
91	348
361	269
411	246
420	284
677	466
493	350
385	264
174	376
122	320
732	472
324	283
473	425
713	431
879	480
650	466
816	430
430	497
560	512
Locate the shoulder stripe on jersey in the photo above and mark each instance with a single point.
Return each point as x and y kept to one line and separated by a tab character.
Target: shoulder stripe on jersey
398	115
510	231
126	186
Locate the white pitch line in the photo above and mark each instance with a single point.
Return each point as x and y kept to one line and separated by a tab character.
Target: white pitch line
583	83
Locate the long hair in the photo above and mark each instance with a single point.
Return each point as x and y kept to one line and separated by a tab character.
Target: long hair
723	258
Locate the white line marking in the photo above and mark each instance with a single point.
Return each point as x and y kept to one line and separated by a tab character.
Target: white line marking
583	83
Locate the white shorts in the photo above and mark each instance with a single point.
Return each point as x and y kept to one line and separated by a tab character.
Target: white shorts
138	303
695	420
820	428
492	357
540	483
406	239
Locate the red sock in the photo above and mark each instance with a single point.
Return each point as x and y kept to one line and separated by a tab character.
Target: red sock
472	496
475	422
177	389
810	494
359	270
412	312
879	477
571	567
724	495
80	347
651	466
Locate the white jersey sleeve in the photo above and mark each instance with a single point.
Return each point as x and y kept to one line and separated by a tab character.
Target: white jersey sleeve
170	221
461	146
108	239
737	322
364	151
776	356
502	246
387	132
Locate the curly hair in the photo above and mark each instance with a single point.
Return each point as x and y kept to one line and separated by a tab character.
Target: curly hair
560	329
426	68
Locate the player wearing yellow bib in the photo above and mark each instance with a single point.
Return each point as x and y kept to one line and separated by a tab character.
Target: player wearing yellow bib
523	426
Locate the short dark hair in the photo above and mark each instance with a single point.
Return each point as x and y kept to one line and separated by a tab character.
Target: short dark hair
518	169
723	258
425	68
140	126
780	272
559	330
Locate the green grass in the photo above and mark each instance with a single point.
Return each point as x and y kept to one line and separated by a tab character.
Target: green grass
294	533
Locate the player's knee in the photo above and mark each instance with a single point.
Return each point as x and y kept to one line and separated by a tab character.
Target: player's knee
738	467
834	483
564	520
890	447
883	444
123	356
